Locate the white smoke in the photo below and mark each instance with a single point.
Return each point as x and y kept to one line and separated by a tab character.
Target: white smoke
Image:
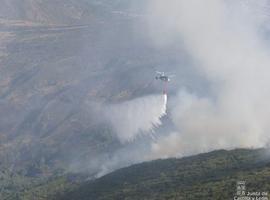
225	41
137	116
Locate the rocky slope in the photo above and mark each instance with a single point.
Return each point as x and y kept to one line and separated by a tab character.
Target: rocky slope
55	63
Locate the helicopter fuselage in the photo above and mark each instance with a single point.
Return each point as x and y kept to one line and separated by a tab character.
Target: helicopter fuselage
163	78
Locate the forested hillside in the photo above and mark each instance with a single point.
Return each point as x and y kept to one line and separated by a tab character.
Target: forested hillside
210	176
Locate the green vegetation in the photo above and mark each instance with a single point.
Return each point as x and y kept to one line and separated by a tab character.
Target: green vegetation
46	190
16	187
206	176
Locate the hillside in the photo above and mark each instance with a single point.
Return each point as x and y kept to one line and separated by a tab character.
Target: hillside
66	12
206	176
68	68
53	67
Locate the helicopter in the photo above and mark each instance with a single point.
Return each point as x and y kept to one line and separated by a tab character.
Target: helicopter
163	77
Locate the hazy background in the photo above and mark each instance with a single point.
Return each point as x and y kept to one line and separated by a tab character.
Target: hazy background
77	87
227	43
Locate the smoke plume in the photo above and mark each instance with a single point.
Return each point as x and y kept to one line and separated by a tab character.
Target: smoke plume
138	116
227	45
